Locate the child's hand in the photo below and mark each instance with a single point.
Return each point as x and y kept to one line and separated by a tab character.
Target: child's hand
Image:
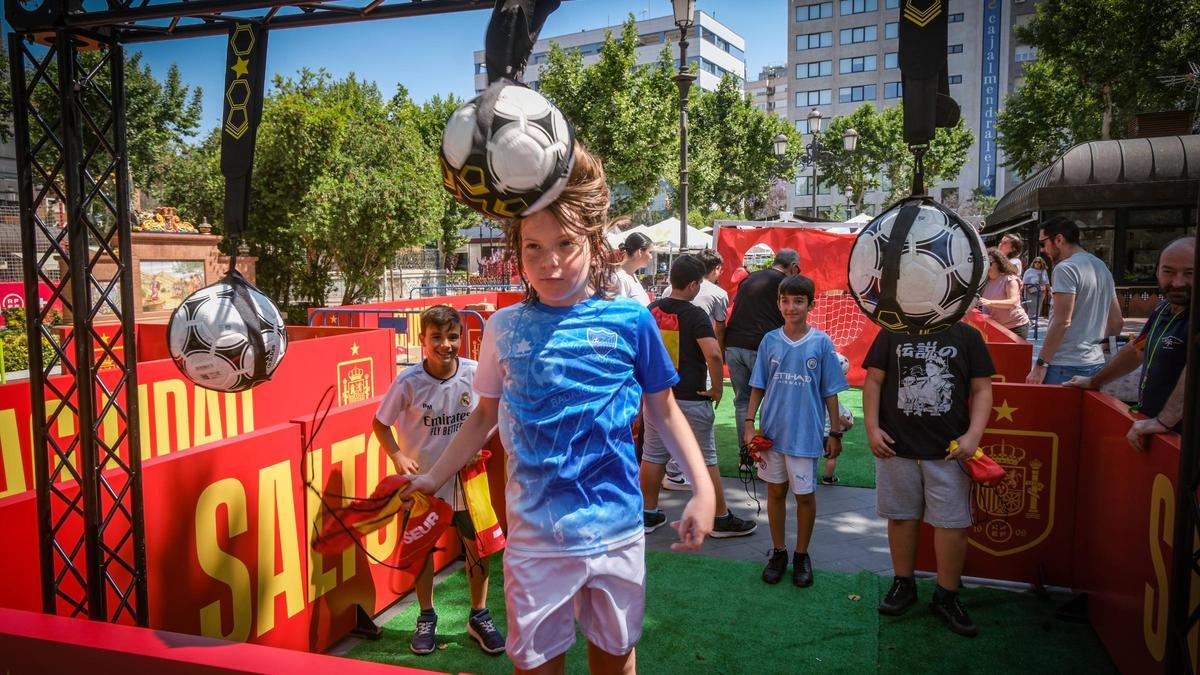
405	465
833	447
847	422
963	447
714	394
749	433
880	442
421	482
694	526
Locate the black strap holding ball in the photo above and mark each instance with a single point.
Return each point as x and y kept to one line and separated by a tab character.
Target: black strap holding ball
244	305
245	76
897	241
511	34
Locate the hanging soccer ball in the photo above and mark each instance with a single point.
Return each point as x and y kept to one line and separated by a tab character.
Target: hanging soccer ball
508	152
920	281
227	336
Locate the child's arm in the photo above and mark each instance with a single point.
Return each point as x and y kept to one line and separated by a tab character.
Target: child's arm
878	439
981	410
748	430
712	357
833	444
403	463
697	520
473	434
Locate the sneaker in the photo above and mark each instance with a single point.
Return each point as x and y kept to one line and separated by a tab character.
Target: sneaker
830	480
950	610
481	627
675	480
902	595
652	520
730	525
423	637
776	566
802	574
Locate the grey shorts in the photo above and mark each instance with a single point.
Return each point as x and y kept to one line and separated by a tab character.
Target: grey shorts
700	418
931	489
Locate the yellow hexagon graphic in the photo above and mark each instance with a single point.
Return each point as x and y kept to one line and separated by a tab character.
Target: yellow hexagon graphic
471	178
238	93
510	208
242	40
890	320
237	123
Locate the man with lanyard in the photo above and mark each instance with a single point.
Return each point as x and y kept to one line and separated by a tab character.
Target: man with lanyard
1161	347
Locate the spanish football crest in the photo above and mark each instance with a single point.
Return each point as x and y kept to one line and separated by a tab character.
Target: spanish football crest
1018	512
356	381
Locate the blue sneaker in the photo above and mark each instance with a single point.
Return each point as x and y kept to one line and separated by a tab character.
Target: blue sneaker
423	637
652	520
481	627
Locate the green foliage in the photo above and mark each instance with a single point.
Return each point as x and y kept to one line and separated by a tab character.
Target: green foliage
982	204
732	163
15	342
1098	64
430	118
625	114
193	183
700	219
6	100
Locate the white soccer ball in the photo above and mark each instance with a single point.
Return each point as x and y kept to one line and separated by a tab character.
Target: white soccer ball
939	270
214	344
517	166
843	362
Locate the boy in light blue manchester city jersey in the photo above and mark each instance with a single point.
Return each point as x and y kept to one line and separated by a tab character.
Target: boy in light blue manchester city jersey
796	378
563	374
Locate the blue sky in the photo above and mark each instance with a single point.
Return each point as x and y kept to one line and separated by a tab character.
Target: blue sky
433	54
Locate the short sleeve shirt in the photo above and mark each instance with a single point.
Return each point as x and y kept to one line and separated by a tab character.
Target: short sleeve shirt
926	386
1163	345
426	412
757	309
1087	278
713	300
796	377
628	287
569	382
682	324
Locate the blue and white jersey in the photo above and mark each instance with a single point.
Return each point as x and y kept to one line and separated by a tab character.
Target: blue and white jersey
796	377
570	382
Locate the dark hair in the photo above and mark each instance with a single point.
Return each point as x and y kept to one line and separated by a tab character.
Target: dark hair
711	259
798	285
1057	225
440	316
636	241
1002	264
786	257
1014	239
686	270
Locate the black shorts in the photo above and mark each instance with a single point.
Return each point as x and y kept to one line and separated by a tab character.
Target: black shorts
462	523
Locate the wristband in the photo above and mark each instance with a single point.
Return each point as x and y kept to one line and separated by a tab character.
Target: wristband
1164	424
750	420
836	434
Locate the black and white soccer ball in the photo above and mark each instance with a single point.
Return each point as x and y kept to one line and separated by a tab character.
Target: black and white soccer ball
925	282
227	336
508	152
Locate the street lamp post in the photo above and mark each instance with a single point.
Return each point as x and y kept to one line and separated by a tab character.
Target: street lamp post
813	150
849	196
685	11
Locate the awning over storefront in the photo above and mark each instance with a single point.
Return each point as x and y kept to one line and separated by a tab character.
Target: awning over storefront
1160	171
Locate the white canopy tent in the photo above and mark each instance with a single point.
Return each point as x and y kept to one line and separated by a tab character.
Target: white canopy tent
665	234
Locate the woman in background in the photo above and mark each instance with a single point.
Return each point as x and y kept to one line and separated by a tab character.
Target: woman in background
1002	295
639	251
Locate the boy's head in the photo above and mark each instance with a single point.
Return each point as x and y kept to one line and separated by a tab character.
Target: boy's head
441	334
713	264
796	296
686	274
561	250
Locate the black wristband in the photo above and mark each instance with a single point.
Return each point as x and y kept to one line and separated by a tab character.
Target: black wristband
750	420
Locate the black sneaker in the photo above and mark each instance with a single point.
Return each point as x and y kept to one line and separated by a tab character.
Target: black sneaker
802	574
652	520
481	627
776	566
730	525
902	595
950	610
423	638
830	480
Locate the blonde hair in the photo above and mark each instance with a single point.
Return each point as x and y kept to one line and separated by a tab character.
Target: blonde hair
582	209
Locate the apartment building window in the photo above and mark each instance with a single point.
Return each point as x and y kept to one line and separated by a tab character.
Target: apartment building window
814	40
851	36
821	10
864	92
858	64
954	79
813	69
804	186
1025	54
892	90
954	49
955	18
891	30
892	4
814	97
802	124
858	6
891	61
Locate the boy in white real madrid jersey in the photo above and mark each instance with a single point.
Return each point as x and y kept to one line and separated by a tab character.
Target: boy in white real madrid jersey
427	404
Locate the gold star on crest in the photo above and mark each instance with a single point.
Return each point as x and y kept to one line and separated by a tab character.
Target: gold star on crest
354	349
241	68
1004	411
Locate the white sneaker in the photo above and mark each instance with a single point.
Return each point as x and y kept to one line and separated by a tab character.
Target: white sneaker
675	480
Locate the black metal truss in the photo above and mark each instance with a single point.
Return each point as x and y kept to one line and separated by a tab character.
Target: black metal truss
148	20
69	125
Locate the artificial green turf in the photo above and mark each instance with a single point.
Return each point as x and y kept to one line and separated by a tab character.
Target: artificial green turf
707	614
856	466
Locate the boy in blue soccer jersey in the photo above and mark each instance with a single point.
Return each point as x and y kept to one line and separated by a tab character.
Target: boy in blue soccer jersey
563	374
796	378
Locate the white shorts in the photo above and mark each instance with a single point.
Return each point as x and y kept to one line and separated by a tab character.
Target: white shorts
605	592
801	472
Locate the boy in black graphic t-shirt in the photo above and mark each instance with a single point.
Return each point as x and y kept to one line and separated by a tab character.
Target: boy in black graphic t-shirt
921	393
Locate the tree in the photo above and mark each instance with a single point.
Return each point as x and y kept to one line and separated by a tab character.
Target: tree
431	118
1049	113
624	113
732	163
193	182
6	100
